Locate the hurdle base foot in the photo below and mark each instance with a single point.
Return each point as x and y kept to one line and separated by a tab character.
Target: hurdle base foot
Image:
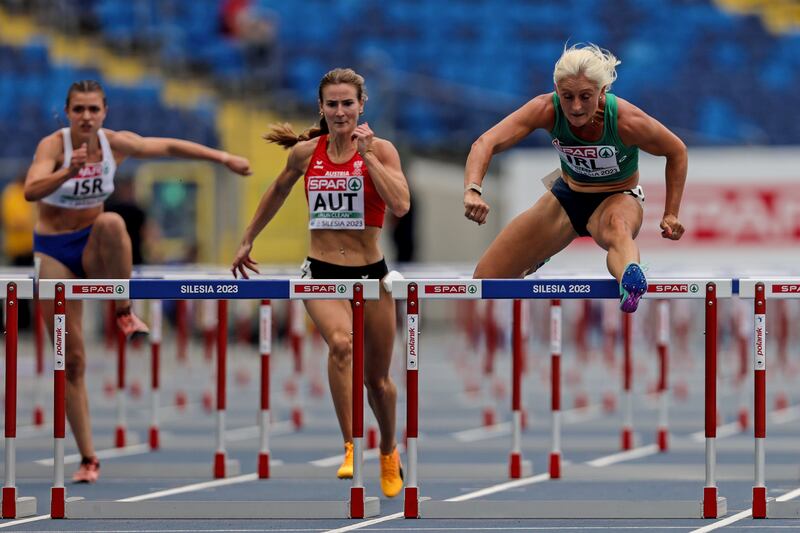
596	509
24	506
224	468
776	509
224	510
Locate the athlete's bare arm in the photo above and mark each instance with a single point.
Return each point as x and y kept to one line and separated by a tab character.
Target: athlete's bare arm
637	128
271	202
383	163
130	144
537	113
42	179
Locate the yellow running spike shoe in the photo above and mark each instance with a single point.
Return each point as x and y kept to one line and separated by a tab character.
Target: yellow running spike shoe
346	470
391	474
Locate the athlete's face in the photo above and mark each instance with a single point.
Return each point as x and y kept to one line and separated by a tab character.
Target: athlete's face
579	99
86	113
340	107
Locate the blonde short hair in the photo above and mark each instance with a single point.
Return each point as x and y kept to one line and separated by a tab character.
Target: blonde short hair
587	59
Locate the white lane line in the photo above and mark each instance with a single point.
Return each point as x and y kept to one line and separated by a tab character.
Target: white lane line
366	523
135	449
483	433
500	488
744	514
636	453
24	520
337	459
193	487
153	495
724	522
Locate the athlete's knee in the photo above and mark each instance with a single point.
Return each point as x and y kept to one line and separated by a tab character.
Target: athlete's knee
618	228
340	347
75	366
378	386
110	224
483	270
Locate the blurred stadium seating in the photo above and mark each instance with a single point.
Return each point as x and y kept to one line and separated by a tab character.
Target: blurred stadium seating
440	72
32	92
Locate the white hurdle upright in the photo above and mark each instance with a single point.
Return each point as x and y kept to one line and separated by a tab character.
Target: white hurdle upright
12	505
710	506
357	291
760	290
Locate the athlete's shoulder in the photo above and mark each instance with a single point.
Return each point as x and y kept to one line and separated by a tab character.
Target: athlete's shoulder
542	103
630	118
540	111
52	143
301	153
304	149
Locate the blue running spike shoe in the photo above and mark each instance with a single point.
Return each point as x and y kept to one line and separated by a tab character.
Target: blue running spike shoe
631	288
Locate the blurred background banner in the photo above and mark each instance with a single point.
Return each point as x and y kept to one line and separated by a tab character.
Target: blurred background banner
721	74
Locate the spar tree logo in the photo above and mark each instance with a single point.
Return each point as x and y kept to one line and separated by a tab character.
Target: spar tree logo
354	184
606	152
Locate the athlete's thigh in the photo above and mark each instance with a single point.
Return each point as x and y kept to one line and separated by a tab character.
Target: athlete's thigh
379	331
331	317
116	237
50	268
620	206
532	237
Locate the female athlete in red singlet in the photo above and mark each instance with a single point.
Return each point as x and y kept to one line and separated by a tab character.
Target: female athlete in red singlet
351	176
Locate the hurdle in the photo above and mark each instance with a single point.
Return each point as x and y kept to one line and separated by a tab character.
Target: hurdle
357	291
760	290
13	506
413	291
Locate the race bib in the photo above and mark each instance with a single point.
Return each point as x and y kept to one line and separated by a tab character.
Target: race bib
336	202
591	161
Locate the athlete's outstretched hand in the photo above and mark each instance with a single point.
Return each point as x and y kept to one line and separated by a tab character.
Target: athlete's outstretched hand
474	207
237	164
243	260
671	228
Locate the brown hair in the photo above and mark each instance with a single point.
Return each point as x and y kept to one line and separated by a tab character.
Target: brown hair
86	86
284	135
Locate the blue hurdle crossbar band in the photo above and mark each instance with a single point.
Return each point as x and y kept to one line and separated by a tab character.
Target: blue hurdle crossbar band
556	288
774	287
24	287
212	288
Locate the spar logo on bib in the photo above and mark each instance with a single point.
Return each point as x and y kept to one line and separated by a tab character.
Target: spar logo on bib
591	161
605	152
336	201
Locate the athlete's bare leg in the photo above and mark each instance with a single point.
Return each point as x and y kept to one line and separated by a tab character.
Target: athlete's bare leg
379	330
614	226
532	237
76	396
108	252
334	322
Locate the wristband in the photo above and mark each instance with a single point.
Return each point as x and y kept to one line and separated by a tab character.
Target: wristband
474	187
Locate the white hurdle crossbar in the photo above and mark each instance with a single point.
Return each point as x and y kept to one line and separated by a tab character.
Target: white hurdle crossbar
357	291
710	506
